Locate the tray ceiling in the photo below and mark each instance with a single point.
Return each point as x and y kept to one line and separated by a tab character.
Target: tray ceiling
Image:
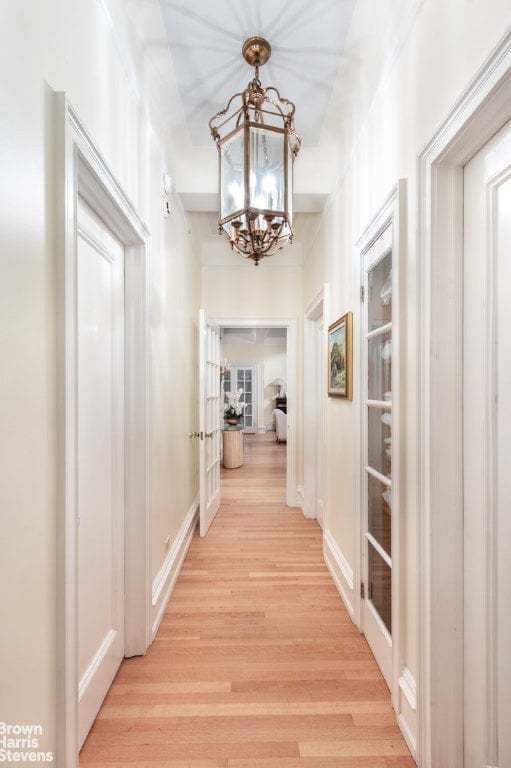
205	41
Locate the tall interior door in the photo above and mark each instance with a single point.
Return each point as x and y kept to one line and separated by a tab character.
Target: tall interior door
100	461
209	421
487	441
379	450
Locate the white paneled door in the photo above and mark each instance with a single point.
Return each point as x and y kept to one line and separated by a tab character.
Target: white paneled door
209	421
100	462
381	532
379	394
244	377
487	447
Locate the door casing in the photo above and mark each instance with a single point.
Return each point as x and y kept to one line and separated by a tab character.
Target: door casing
487	432
482	110
81	169
314	393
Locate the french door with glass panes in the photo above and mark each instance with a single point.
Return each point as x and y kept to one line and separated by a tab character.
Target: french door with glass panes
379	540
244	377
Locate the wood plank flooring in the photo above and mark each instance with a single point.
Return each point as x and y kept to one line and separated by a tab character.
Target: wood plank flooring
256	663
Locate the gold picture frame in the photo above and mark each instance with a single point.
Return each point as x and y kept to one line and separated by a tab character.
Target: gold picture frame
340	357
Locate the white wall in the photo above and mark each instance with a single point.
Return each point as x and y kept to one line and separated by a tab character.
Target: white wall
73	46
394	95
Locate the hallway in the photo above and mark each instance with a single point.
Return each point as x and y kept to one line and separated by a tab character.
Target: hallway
256	663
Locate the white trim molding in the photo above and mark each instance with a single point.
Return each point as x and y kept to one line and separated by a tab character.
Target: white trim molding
96	662
481	111
314	415
408	688
300	496
407	713
340	570
165	580
80	170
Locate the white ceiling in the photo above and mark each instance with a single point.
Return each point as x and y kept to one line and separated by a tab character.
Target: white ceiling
324	59
205	39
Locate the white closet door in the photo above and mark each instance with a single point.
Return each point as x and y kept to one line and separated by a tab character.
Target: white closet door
100	464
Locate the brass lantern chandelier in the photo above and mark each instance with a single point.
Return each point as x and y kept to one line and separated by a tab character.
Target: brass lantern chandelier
256	155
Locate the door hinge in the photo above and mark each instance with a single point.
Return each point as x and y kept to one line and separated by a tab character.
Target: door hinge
362	590
362	293
202	435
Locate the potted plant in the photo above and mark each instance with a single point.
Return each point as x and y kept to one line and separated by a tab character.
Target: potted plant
233	407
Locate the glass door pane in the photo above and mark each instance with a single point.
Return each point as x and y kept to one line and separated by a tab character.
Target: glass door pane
379	496
380	582
379	440
379	289
380	366
243	377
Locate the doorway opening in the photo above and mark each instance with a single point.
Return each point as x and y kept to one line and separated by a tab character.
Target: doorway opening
262	352
255	360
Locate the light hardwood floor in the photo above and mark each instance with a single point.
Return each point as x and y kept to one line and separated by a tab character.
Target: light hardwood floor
256	663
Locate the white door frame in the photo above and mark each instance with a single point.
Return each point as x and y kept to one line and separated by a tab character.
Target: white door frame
481	111
314	312
487	274
81	169
292	389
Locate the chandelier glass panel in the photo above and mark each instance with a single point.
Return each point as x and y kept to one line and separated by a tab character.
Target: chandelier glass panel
256	164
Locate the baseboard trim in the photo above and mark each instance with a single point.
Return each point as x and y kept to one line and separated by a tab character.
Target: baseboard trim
300	496
407	718
305	505
96	662
340	570
166	577
408	687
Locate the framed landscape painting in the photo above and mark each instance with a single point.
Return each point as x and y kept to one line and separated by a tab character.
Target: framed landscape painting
340	357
